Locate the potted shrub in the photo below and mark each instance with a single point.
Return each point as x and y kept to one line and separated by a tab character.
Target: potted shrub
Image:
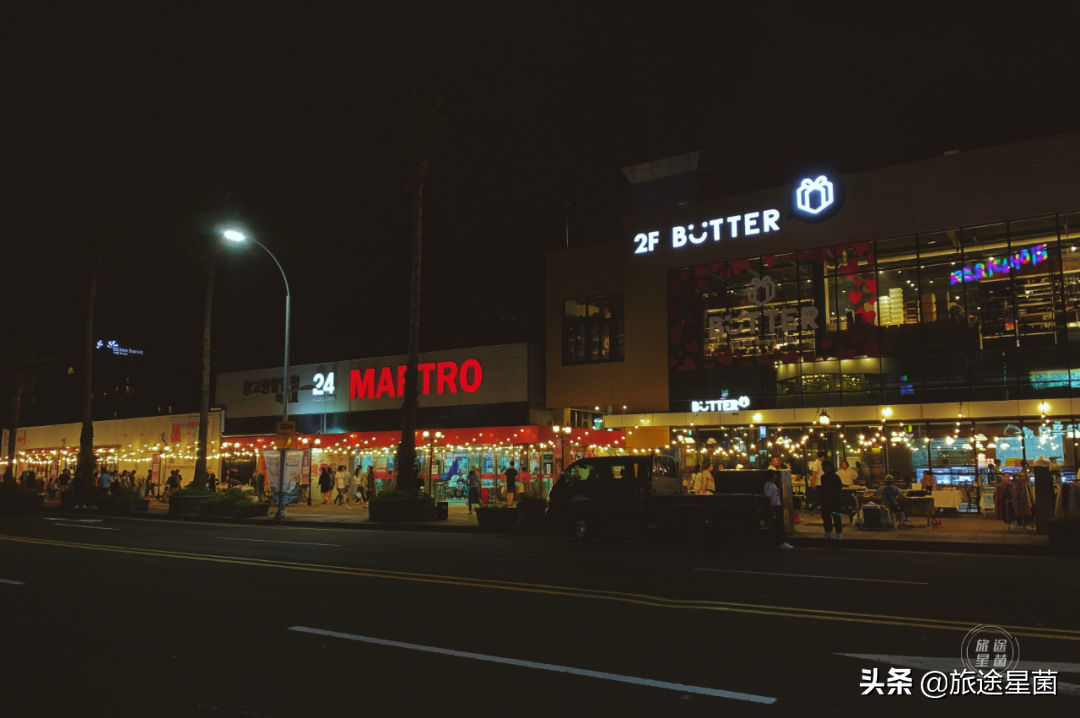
185	502
129	500
496	515
392	506
211	506
531	508
16	499
248	509
1064	529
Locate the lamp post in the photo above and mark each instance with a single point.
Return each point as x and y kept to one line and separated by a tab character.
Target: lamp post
233	235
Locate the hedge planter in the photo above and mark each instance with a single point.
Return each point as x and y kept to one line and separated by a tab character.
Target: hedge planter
496	516
530	517
22	503
186	505
253	512
1063	533
396	510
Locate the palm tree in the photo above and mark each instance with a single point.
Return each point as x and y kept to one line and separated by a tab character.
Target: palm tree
101	244
200	240
414	144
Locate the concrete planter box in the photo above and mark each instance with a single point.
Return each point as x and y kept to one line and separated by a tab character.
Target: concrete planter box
1063	534
396	510
185	505
131	504
253	512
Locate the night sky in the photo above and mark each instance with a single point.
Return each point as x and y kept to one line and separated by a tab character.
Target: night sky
137	109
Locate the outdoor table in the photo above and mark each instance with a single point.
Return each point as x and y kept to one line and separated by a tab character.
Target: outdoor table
946	499
922	506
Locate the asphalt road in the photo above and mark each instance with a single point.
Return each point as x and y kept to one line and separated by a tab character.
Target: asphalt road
120	617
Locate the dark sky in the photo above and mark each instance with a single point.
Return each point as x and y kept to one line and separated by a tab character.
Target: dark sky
135	108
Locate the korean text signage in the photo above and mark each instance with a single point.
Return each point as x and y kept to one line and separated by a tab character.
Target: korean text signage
486	375
1017	261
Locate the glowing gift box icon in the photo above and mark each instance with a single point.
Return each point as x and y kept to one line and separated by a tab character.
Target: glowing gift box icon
813	196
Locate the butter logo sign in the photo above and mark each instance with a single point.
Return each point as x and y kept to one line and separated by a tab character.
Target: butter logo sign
814	196
817	197
762	291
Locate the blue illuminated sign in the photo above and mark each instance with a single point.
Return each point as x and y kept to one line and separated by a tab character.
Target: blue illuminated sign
817	197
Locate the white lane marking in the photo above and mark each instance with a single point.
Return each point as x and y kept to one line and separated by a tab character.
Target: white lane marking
13	583
546	667
804	575
305	543
955	664
81	526
76	521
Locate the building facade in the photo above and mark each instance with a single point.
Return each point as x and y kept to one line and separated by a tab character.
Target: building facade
929	310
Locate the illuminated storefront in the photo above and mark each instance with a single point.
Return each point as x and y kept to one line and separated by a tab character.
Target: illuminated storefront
929	309
479	407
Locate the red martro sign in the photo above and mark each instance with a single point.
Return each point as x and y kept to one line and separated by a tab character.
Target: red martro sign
445	375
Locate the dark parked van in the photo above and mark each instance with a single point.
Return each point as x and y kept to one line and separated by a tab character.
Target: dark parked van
627	495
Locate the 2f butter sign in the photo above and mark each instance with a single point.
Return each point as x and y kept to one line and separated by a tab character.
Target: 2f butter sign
814	198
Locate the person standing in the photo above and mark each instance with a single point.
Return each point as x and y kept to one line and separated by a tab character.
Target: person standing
928	483
847	474
370	481
831	489
511	483
772	491
326	484
340	483
815	469
64	482
105	482
472	482
704	483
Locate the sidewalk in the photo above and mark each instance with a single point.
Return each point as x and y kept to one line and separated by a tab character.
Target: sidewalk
964	532
970	533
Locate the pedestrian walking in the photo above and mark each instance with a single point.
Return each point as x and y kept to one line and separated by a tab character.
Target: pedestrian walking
773	492
105	482
356	486
326	484
64	482
340	483
211	481
370	480
831	490
151	484
472	482
511	475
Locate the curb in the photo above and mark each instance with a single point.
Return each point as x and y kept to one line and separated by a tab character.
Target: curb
943	547
427	527
987	549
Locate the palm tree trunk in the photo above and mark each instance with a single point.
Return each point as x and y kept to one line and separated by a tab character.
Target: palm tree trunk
406	453
16	411
204	406
87	461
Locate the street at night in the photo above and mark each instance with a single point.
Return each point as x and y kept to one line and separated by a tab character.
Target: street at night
429	359
161	618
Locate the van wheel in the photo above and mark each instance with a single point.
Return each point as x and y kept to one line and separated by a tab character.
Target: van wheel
581	526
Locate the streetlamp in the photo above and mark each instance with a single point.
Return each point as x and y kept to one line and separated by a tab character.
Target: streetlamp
233	235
